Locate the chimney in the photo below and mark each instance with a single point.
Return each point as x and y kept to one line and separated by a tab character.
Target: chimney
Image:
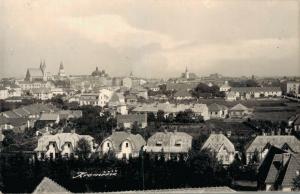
285	158
263	132
272	132
73	131
279	131
228	133
128	130
166	131
212	132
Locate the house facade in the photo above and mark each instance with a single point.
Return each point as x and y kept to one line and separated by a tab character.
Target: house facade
293	88
171	144
217	111
294	122
247	93
168	109
221	147
3	93
123	144
262	143
283	169
60	145
239	111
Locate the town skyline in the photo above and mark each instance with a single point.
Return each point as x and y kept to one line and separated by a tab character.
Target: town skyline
151	38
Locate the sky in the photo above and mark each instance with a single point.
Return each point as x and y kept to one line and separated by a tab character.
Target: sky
151	38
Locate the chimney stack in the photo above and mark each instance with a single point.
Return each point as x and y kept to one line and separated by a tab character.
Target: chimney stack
285	158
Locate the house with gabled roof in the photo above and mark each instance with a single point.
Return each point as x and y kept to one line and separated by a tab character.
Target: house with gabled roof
221	147
245	93
60	145
183	95
239	111
262	143
217	111
123	144
294	122
283	169
3	93
49	186
171	144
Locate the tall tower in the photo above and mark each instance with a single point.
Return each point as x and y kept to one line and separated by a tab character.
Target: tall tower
186	74
61	71
43	69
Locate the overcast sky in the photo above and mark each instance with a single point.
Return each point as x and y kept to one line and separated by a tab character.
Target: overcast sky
157	38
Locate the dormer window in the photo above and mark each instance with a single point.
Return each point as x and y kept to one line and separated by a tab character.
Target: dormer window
178	143
126	145
108	145
158	143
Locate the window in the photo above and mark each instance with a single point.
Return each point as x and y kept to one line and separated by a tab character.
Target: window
51	156
126	145
42	155
69	145
124	156
107	144
226	158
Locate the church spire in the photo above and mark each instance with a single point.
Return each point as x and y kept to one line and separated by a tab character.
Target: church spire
61	66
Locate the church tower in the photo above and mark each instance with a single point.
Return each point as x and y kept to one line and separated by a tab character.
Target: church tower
61	71
186	74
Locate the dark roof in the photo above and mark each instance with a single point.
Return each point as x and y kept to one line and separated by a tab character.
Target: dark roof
255	89
216	107
49	117
284	168
131	118
183	93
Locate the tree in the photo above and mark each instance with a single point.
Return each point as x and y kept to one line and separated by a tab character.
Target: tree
296	183
83	149
160	116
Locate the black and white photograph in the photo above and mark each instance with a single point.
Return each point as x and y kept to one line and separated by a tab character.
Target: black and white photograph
149	96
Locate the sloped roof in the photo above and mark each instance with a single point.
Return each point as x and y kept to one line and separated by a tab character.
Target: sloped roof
49	186
131	118
117	99
183	93
291	171
216	107
35	72
118	137
40	90
170	108
66	114
216	141
255	89
276	140
3	120
274	168
167	141
239	107
49	117
60	139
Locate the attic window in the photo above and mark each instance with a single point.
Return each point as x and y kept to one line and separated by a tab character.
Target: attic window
158	143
